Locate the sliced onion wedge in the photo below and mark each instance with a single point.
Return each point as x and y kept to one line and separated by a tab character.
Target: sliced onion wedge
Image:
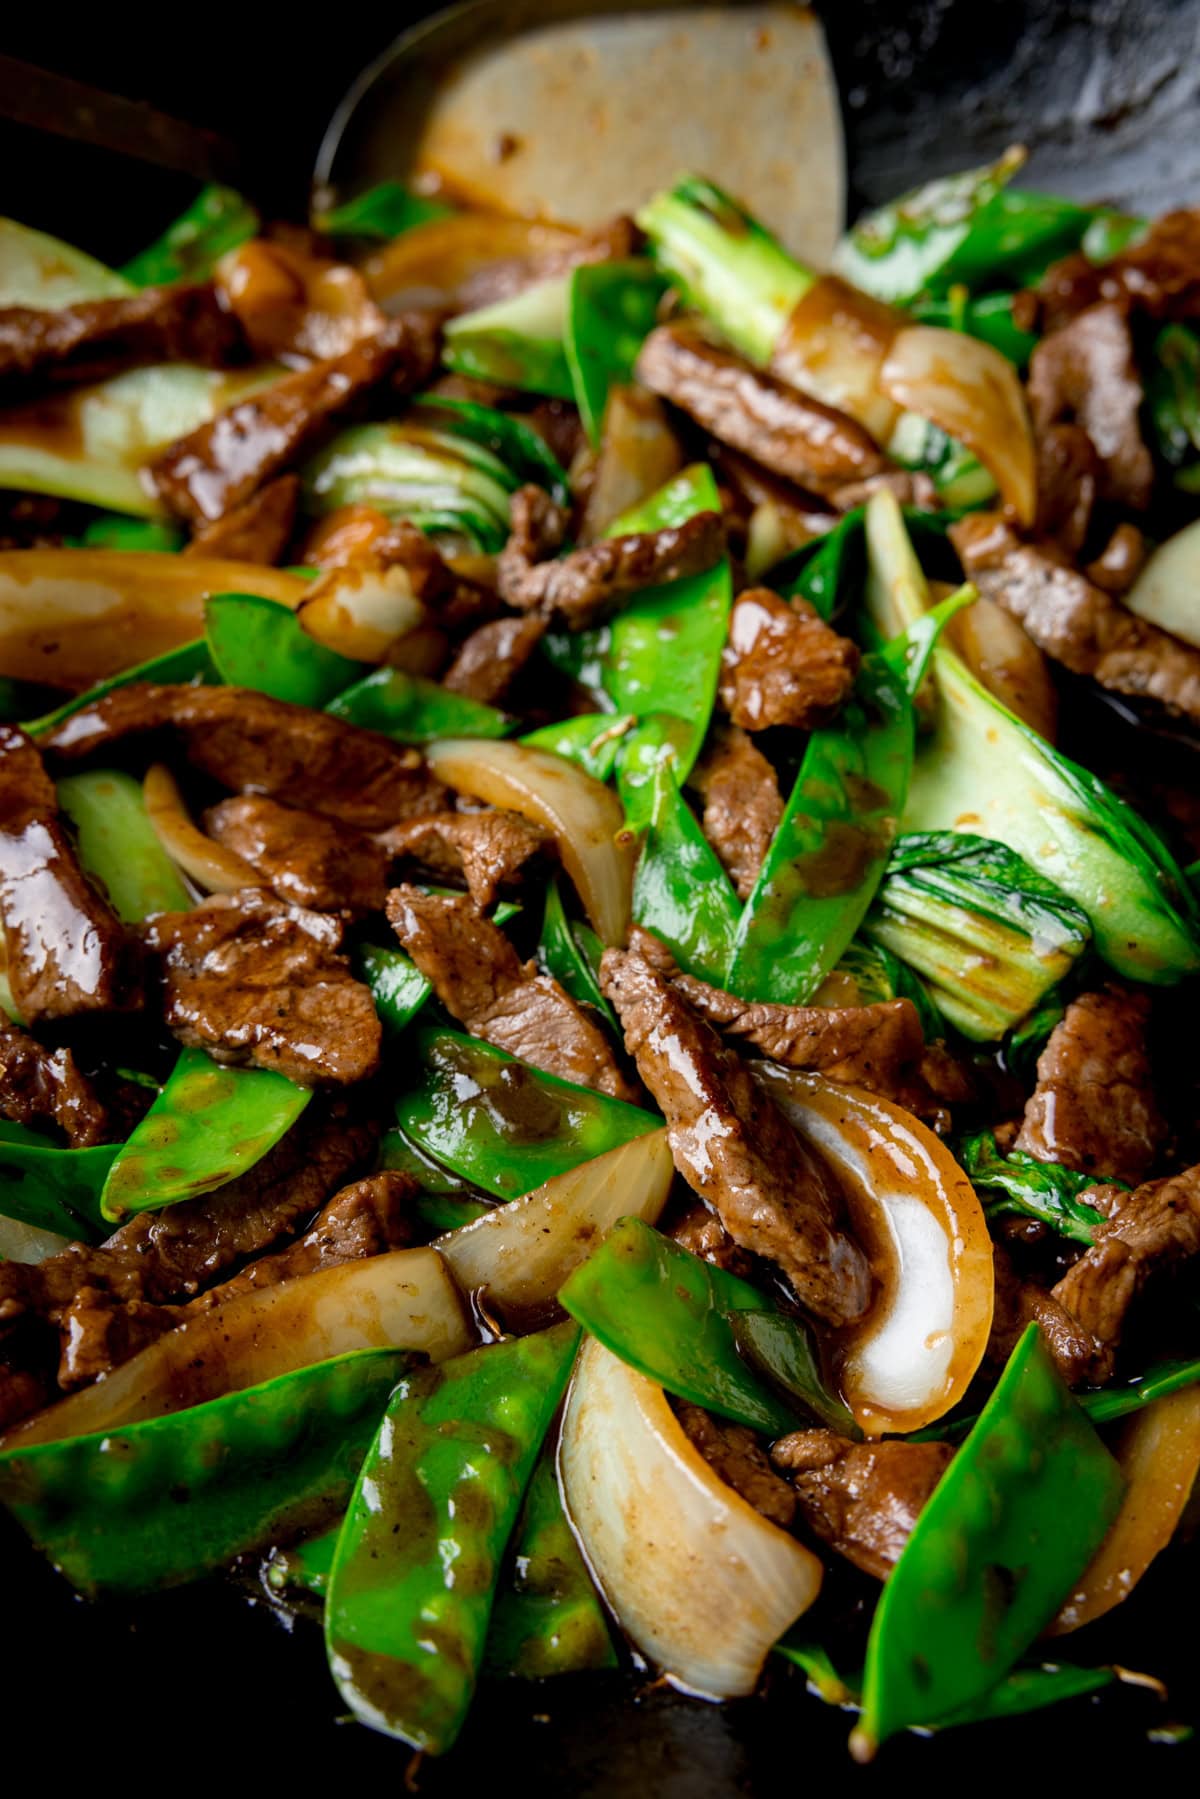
1159	1454
212	866
362	610
434	260
833	346
71	617
974	394
521	1253
699	1580
584	818
28	1242
918	1217
1167	592
405	1298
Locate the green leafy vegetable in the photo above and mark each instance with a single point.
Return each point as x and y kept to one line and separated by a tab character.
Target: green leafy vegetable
1020	1183
217	220
571	951
415	710
680	890
383	211
440	482
1173	395
118	845
525	454
110	531
988	317
49	1187
261	644
610	311
516	342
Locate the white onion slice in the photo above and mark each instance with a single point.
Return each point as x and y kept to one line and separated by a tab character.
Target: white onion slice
1167	592
974	394
362	609
584	818
432	261
212	866
919	1219
834	345
701	1582
405	1298
28	1242
521	1253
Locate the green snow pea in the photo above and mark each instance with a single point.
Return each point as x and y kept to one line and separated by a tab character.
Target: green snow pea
517	445
673	1317
986	316
414	710
680	890
593	740
1014	1521
53	1188
217	220
208	1125
118	844
517	342
1156	1383
420	1553
571	951
1173	392
170	1499
1020	1183
611	309
397	985
190	662
261	644
304	1567
502	1125
384	211
546	1618
114	531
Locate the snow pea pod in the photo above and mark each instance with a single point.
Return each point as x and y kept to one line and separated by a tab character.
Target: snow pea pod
114	531
611	309
680	890
170	1499
571	951
117	843
190	662
208	1125
502	1125
414	710
672	1317
260	644
384	211
218	219
1156	1383
1014	1521
592	740
988	317
419	1556
52	1188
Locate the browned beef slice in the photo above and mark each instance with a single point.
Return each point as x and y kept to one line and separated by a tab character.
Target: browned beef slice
861	1498
614	240
304	858
911	487
783	665
1159	275
481	981
1121	560
1067	480
742	804
812	444
1077	624
735	1456
702	1234
245	740
734	1147
458	602
1078	1355
1085	374
217	467
23	1391
1153	1228
252	980
257	531
100	337
578	589
67	952
1094	1107
42	1086
490	659
488	850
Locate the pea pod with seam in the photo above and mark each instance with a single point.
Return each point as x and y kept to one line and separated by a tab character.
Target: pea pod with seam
414	710
419	1556
261	644
571	951
680	890
611	309
190	662
117	844
592	740
50	1187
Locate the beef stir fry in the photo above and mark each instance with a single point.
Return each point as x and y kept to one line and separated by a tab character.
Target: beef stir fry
582	977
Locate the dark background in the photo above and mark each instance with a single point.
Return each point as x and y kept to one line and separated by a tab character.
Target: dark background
204	1685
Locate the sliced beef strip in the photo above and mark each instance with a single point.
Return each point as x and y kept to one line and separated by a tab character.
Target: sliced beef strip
613	241
1159	275
257	531
252	980
1078	1355
1076	623
861	1498
702	1234
1085	374
734	1147
482	982
305	859
742	804
490	659
1068	476
1151	1230
735	1456
783	665
67	952
217	467
582	587
800	438
40	1086
96	338
249	742
487	850
1121	560
1094	1107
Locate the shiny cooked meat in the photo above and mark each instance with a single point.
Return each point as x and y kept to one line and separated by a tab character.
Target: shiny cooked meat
1080	1357
861	1498
480	979
795	435
612	241
41	1086
734	1147
783	665
95	338
68	953
735	1456
249	742
1149	1231
487	662
1094	1107
1085	374
487	850
1068	476
303	858
1158	275
742	803
259	530
252	980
